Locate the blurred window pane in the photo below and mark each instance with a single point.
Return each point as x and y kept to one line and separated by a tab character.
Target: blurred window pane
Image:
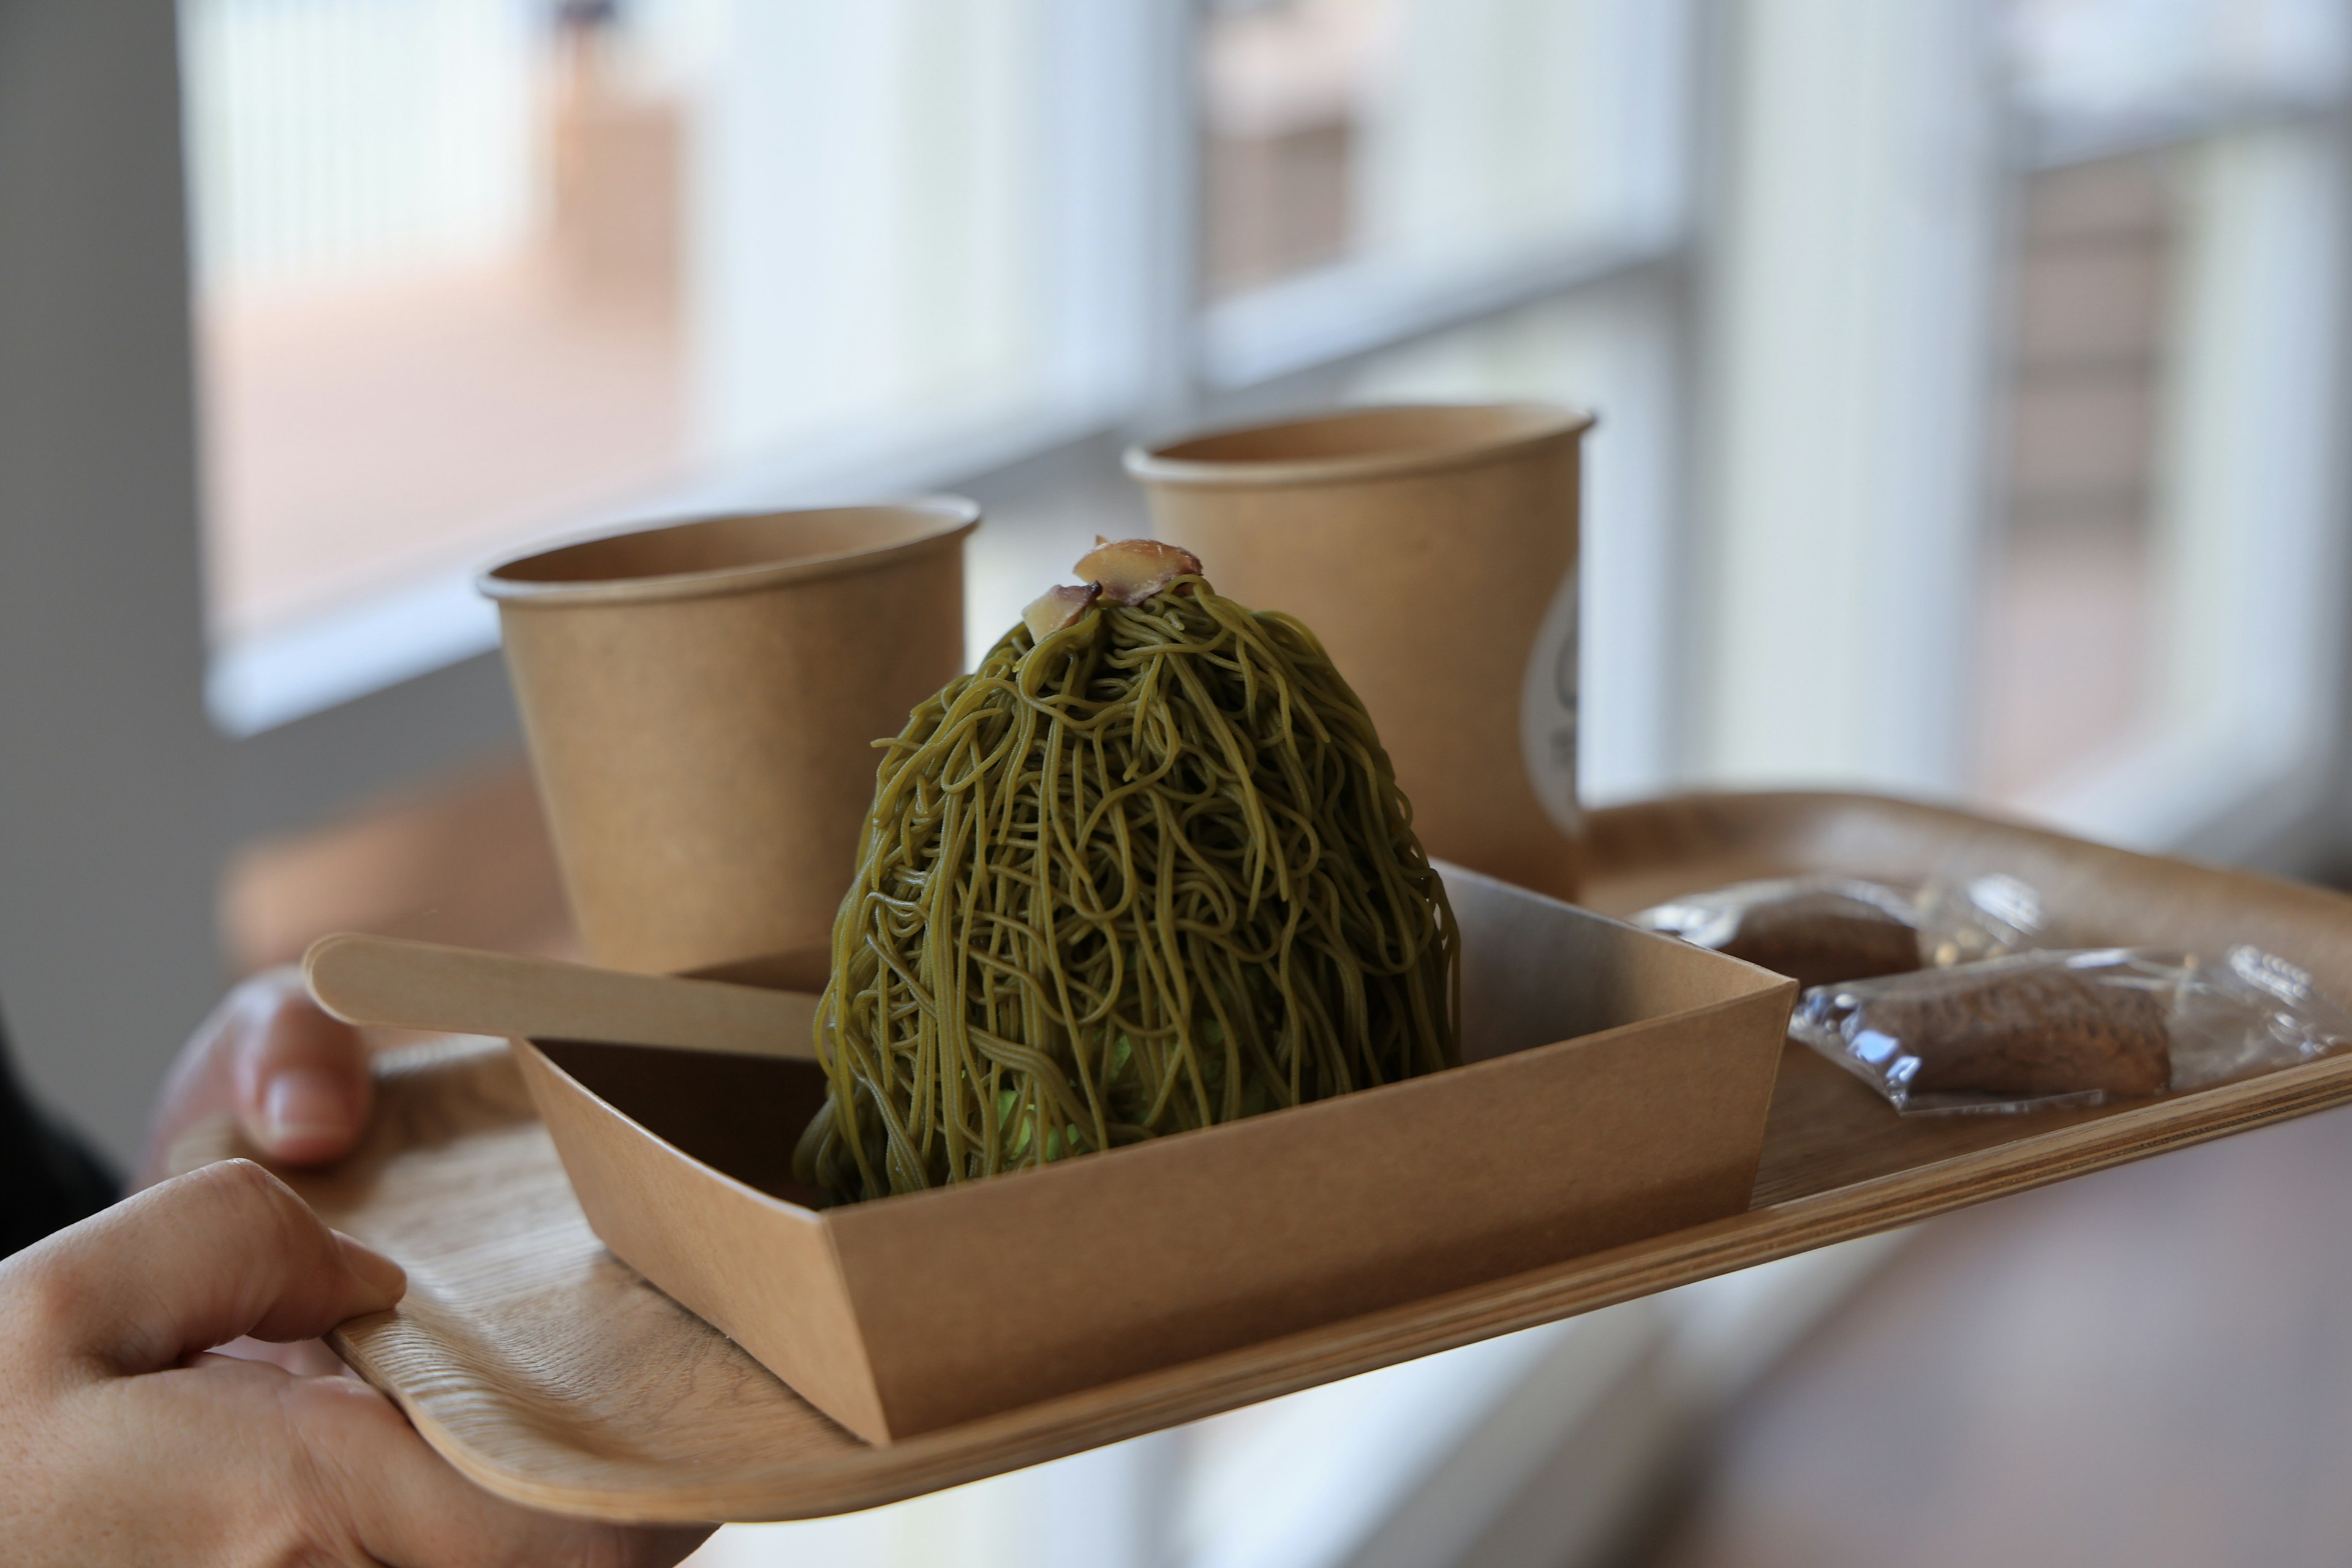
1285	91
2158	642
467	269
2088	71
1431	135
2069	618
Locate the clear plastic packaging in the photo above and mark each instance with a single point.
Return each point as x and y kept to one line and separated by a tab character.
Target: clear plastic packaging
2038	1029
1966	918
1824	929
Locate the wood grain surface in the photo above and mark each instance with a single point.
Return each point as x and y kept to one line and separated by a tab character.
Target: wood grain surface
554	1375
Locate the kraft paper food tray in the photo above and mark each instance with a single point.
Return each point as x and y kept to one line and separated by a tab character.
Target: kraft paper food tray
553	1375
1614	1087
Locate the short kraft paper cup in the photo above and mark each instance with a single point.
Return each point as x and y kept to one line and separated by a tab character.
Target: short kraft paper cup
701	700
1433	550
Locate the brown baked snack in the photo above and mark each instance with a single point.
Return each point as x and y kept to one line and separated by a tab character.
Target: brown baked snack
2034	1032
1821	938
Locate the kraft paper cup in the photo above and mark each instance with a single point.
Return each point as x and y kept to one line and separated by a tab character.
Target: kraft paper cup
1434	550
701	701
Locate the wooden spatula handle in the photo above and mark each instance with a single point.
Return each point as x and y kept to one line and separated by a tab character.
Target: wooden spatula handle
424	986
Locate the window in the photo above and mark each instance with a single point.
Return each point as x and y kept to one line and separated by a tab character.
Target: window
1369	163
2074	581
471	271
2173	383
2021	406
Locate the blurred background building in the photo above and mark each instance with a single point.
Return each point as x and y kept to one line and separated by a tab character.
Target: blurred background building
1971	376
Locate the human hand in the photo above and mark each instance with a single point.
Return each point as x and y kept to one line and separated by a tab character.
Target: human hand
297	1082
296	1079
122	1442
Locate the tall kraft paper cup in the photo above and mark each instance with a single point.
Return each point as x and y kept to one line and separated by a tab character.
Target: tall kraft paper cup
1434	550
701	701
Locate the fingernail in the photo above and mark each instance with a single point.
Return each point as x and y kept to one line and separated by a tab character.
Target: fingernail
373	1267
303	1104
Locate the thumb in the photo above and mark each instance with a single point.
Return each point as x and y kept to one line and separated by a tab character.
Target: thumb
222	1252
296	1079
302	1084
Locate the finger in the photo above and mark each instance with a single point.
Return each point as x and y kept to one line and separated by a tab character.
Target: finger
404	1505
196	1262
303	1084
295	1081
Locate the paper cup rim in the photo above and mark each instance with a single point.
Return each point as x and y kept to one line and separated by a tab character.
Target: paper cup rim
1538	424
952	518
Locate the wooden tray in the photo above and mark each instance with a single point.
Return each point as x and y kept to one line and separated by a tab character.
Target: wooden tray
552	1374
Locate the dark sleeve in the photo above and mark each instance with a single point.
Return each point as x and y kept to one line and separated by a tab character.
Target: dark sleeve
47	1178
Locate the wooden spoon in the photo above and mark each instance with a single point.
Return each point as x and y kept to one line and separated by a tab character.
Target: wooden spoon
456	990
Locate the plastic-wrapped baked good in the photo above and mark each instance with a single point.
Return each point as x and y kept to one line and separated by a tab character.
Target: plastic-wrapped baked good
1822	928
2032	1031
1823	936
2050	1029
